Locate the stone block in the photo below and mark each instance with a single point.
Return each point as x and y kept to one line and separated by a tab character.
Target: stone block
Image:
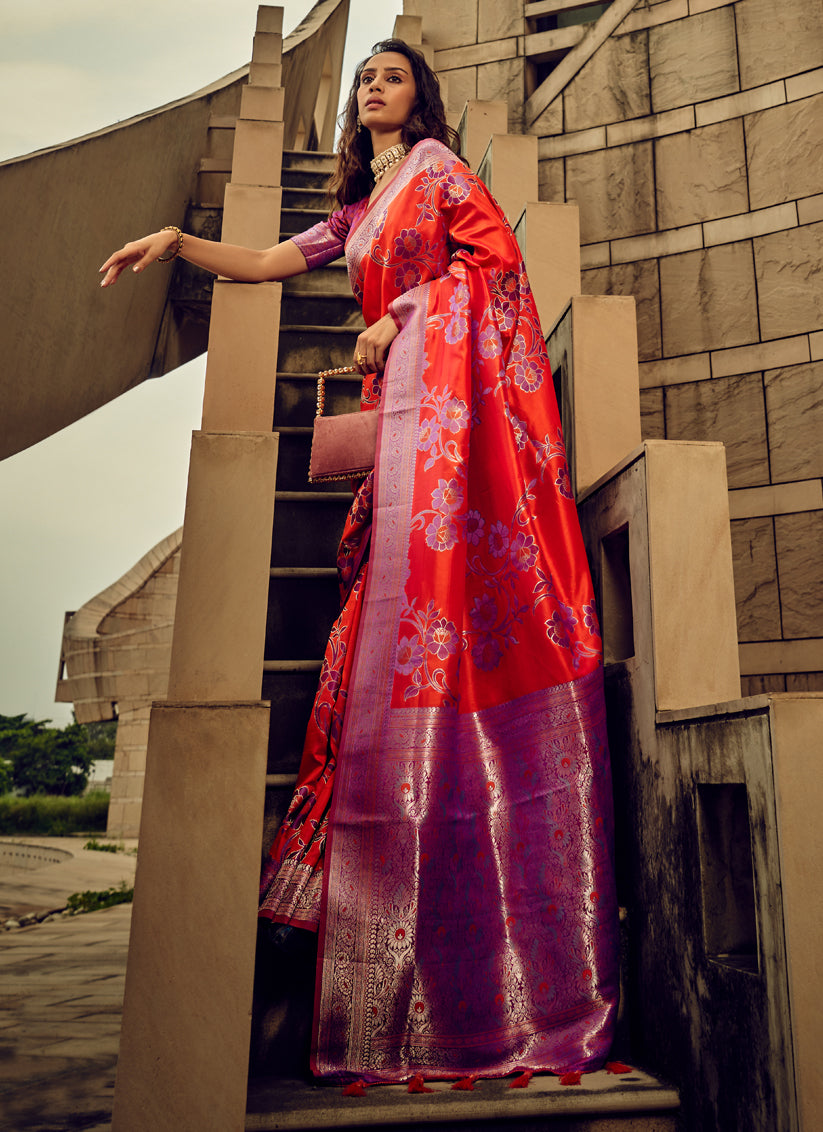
474	55
799	541
785	151
798	741
736	105
503	82
595	255
509	170
694	59
551	180
761	355
788	266
776	499
730	410
758	685
795	414
640	280
548	235
749	224
708	299
657	244
688	558
652	126
447	25
219	629
498	19
550	121
601	384
700	174
614	190
267	47
583	141
810	209
242	360
803	86
652	415
804	682
199	864
781	656
251	215
755	579
775	40
462	87
258	153
612	86
262	103
478	122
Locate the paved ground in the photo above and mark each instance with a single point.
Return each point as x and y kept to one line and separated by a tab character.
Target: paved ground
61	988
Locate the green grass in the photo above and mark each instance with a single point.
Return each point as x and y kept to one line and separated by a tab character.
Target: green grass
103	846
94	901
53	815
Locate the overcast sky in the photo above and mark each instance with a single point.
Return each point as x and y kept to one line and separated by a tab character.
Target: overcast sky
67	68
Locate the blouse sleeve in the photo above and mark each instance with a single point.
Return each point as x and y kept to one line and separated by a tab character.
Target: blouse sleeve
325	242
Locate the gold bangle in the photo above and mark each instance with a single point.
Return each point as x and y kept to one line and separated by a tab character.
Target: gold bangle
177	250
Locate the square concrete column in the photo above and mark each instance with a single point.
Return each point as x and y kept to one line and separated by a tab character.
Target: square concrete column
479	122
593	351
241	369
184	1044
220	623
508	168
549	238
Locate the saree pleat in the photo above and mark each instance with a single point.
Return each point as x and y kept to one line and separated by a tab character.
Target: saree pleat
467	915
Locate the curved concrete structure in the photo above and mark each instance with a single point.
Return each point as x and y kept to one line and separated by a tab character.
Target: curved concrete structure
69	348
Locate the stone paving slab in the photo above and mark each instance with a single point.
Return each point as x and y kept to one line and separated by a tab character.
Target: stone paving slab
61	988
44	887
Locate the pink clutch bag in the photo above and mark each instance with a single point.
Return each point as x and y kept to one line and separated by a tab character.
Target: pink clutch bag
342	447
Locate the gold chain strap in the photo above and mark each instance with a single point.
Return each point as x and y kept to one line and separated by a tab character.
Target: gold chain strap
321	385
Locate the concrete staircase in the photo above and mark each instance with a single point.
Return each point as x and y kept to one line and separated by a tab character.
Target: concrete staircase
319	324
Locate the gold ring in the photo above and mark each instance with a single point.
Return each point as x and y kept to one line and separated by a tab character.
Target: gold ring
360	357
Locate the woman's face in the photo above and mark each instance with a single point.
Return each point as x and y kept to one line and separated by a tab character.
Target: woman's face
387	93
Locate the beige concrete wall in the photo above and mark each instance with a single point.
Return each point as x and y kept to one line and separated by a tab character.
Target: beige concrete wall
689	134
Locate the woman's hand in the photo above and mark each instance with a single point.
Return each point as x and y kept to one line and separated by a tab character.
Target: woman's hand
373	344
137	254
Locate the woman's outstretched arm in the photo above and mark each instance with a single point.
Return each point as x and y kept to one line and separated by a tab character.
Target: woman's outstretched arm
241	264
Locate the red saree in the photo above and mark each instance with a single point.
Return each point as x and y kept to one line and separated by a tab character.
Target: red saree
460	871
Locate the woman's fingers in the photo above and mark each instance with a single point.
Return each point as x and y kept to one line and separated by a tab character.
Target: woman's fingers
373	344
138	254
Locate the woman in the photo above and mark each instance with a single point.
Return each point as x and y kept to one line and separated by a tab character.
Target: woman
450	838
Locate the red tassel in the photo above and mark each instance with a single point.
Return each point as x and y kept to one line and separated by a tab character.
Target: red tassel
572	1078
465	1085
522	1081
617	1067
355	1089
418	1085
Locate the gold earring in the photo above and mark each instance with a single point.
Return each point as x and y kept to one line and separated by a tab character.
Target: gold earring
359	124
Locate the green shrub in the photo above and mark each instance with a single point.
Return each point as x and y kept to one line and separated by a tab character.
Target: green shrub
53	815
94	901
103	846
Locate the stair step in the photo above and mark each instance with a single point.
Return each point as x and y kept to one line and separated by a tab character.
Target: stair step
295	398
299	219
307	160
327	307
334	277
635	1102
314	348
299	196
301	611
290	686
307	527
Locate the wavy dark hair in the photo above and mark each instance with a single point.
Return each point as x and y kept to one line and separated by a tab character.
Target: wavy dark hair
352	178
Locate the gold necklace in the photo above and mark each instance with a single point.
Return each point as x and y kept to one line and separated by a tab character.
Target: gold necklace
384	161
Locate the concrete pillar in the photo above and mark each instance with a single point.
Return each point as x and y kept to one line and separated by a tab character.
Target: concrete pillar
549	238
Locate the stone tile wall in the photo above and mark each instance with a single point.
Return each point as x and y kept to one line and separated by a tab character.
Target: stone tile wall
692	142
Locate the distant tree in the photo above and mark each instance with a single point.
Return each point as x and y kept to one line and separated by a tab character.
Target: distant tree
100	739
5	776
45	760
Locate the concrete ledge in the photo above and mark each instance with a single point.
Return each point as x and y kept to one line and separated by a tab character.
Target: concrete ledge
290	1104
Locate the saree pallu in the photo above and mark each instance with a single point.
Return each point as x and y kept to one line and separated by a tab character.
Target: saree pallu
467	917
